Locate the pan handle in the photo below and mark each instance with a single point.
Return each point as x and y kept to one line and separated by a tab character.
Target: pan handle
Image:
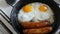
12	2
58	2
59	5
15	2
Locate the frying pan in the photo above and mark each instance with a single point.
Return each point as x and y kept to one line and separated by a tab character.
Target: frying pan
14	14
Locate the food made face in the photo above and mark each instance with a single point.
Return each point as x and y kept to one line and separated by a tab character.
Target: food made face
36	18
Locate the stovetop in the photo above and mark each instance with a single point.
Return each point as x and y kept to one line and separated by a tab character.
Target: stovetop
5	11
5	26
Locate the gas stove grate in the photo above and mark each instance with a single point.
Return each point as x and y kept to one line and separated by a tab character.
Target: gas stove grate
6	20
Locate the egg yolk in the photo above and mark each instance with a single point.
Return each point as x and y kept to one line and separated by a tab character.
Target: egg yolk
43	8
27	8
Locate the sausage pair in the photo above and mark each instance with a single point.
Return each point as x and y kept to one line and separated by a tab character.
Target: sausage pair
42	27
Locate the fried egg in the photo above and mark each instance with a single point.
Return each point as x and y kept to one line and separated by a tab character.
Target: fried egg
42	12
26	13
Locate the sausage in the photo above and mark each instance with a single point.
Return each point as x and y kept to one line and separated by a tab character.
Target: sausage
26	33
43	30
35	24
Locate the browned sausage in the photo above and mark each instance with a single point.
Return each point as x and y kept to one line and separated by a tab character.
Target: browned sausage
35	24
43	30
26	33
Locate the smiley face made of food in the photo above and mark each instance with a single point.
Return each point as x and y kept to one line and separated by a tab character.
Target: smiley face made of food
36	16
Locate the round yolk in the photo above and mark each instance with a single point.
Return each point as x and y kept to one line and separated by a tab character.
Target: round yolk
27	8
43	8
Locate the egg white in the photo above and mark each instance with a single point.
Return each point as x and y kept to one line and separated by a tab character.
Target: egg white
37	12
36	15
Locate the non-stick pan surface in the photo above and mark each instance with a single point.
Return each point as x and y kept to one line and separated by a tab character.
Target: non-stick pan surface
14	14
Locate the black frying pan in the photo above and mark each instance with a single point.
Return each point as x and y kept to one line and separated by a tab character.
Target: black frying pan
53	5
